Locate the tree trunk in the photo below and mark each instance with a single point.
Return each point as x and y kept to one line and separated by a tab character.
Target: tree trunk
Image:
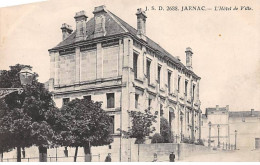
42	154
76	154
138	151
18	154
87	153
66	153
1	156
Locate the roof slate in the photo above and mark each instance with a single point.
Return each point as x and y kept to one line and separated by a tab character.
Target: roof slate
113	28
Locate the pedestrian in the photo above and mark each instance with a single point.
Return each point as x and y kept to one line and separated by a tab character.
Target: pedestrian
172	157
108	158
154	157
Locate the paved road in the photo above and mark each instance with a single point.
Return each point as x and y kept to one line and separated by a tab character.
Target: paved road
227	156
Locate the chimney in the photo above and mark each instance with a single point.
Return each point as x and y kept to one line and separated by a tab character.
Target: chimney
227	107
66	31
100	21
217	107
189	58
81	20
178	58
141	22
252	112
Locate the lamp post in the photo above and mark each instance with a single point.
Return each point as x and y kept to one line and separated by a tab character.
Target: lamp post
218	136
26	77
235	139
181	128
209	134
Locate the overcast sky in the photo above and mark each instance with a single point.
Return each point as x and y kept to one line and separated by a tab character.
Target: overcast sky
226	45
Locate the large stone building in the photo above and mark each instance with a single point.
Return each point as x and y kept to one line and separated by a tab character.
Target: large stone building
105	59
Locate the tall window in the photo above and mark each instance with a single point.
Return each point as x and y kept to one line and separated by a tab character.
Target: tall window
136	100
65	101
179	82
169	81
161	110
148	65
87	97
110	100
186	88
159	75
188	117
112	125
149	103
193	90
135	64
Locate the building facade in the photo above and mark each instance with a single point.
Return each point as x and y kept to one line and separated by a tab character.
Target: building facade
215	127
105	59
231	129
247	127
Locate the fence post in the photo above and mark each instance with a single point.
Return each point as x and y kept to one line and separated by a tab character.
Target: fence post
99	157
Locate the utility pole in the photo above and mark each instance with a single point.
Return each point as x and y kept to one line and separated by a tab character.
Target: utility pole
235	139
209	134
218	136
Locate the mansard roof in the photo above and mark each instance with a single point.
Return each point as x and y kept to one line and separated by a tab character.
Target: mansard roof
114	26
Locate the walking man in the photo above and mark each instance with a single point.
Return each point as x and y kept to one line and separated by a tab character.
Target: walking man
172	157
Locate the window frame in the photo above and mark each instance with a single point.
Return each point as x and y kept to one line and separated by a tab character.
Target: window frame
148	70
65	102
135	65
109	101
87	96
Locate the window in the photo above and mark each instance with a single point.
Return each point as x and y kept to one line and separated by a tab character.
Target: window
65	101
186	88
161	110
179	80
136	100
188	117
159	75
135	64
110	100
87	97
169	81
112	125
149	103
99	24
148	65
81	31
193	90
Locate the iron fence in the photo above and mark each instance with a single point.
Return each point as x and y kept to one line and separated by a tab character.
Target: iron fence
95	158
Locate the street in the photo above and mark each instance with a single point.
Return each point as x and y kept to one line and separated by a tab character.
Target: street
226	156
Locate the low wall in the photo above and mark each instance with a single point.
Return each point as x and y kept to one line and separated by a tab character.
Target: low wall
145	152
139	153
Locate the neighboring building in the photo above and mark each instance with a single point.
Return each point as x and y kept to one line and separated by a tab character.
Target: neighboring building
218	117
247	124
105	59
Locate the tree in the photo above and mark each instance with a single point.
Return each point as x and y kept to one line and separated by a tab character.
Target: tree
24	121
83	123
157	138
141	125
165	131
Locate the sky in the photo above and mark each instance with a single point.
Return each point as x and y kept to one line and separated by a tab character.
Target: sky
226	44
